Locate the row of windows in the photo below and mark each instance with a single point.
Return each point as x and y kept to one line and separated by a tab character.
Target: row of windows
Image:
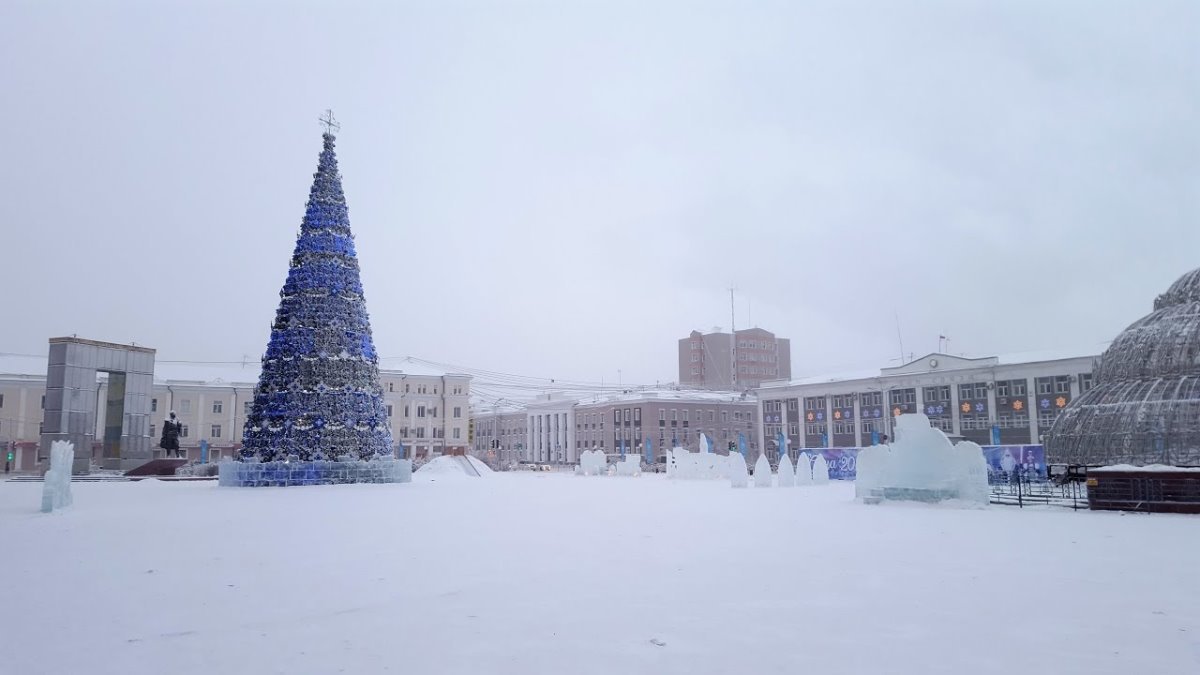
751	357
756	370
421	389
756	344
1058	384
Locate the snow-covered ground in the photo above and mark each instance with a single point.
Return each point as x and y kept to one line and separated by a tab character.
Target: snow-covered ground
550	573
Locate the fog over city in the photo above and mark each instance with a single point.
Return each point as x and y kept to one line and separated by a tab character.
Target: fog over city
564	190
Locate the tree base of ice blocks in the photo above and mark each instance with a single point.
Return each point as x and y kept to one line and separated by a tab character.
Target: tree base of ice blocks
320	472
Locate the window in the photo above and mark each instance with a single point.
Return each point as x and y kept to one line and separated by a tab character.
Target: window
1062	384
390	390
814	429
420	411
406	387
712	415
185	406
456	432
152	434
153	405
842	427
695	358
457	412
1045	385
870	425
936	394
43	403
1085	383
725	415
389	410
433	411
637	415
616	416
183	432
943	423
1019	387
628	416
902	396
215	431
218	406
685	416
419	432
972	391
871	398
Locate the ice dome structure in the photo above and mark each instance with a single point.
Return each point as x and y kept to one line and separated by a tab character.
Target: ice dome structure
1144	406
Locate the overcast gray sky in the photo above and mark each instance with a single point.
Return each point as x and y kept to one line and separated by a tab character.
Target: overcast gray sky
565	189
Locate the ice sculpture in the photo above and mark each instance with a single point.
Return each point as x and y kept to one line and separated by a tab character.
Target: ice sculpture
820	470
762	472
804	475
56	488
787	475
594	463
684	465
972	473
631	465
739	473
869	463
346	469
922	465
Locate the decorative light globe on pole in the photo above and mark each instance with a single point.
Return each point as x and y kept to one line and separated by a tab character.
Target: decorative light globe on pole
318	414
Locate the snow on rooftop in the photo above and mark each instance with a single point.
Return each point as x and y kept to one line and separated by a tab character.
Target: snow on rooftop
1153	468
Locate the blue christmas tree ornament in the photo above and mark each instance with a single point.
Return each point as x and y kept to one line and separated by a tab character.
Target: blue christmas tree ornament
318	399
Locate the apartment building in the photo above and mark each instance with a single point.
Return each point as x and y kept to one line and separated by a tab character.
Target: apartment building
705	359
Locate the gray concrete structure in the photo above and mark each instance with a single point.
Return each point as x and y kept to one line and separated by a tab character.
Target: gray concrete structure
73	399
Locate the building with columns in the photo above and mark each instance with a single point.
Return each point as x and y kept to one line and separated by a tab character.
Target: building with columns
1010	399
555	428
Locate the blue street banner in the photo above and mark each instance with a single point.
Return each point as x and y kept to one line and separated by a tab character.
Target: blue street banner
649	451
401	449
203	451
782	440
742	444
996	434
622	447
874	438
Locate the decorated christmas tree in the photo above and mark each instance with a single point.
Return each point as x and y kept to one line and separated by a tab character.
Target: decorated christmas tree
318	397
